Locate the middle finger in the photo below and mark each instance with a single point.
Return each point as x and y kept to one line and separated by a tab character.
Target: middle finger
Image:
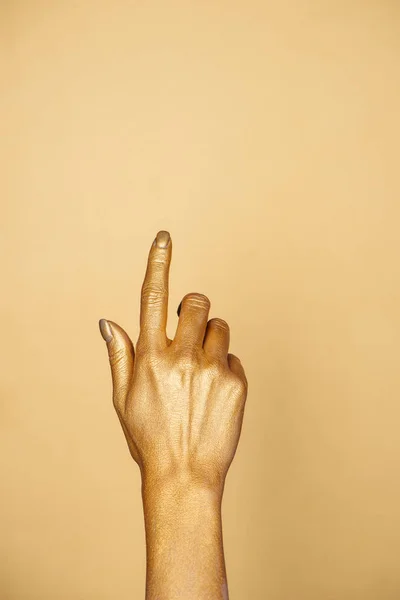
193	319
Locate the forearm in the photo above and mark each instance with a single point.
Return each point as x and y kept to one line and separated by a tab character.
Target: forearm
184	547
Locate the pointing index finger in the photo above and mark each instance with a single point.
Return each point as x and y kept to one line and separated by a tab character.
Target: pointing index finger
154	295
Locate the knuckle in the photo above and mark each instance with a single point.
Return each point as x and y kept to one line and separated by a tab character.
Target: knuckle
212	368
220	323
197	300
238	383
142	347
241	385
183	369
153	294
160	259
146	353
244	385
119	400
187	356
235	362
116	356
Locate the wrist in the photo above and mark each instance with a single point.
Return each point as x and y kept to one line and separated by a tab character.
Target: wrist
179	493
180	508
179	485
183	527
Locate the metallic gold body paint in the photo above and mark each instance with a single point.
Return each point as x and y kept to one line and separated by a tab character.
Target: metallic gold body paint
180	403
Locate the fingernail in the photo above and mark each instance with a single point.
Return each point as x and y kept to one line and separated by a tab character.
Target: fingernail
179	308
162	239
105	330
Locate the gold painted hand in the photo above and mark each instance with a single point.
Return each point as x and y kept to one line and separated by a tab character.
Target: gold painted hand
180	403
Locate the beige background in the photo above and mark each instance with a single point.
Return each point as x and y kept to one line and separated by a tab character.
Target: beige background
265	137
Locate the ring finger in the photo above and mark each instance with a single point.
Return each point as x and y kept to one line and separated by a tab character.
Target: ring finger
216	340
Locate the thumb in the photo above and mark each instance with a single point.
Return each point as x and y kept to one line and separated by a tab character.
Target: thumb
121	356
